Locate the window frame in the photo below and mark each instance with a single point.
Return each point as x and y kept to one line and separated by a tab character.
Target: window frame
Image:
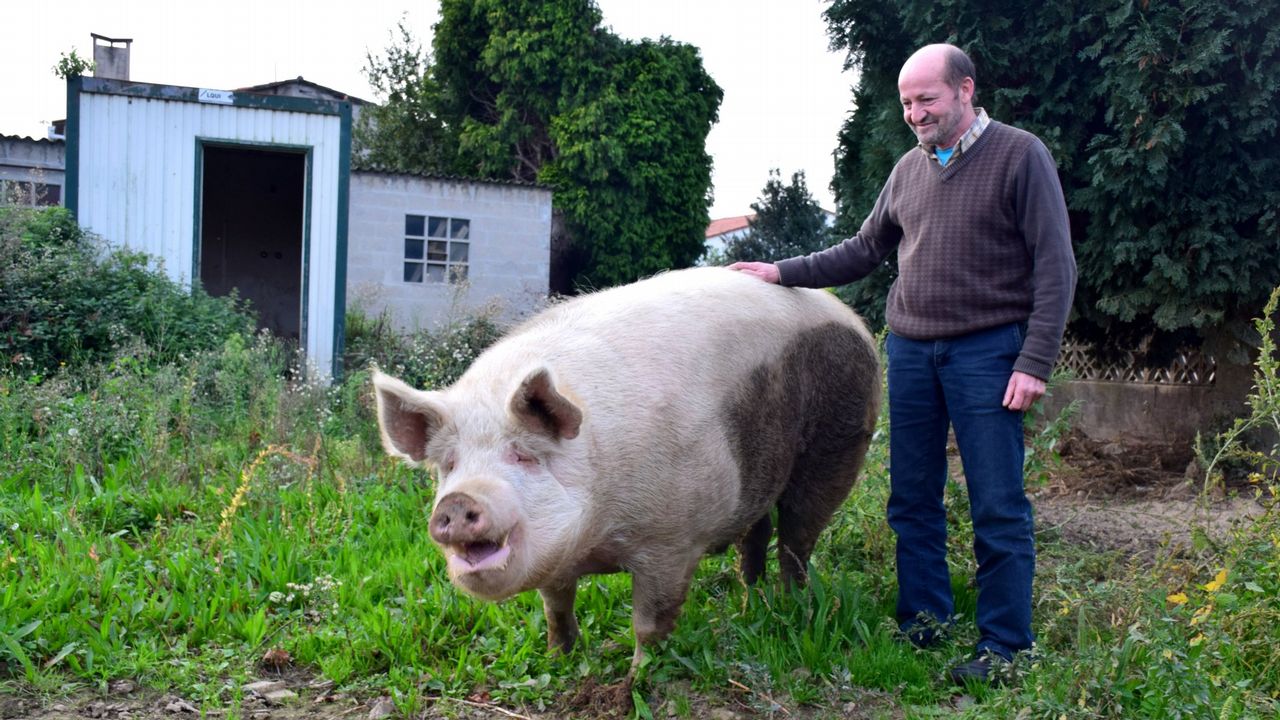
442	255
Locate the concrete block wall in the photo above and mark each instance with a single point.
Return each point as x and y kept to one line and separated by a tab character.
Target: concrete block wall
509	253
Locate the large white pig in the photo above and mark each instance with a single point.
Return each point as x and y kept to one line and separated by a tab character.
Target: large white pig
637	429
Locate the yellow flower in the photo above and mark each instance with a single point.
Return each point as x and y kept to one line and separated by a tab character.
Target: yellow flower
1201	614
1177	598
1217	581
1196	640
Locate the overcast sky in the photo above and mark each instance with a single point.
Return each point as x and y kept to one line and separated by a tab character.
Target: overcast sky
785	94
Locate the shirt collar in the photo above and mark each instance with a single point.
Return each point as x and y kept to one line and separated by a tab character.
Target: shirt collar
967	140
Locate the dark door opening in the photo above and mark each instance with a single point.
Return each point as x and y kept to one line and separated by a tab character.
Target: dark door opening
251	232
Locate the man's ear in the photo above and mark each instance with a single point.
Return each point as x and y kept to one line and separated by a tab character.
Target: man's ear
407	418
540	407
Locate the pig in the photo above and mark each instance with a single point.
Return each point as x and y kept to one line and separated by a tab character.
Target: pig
637	429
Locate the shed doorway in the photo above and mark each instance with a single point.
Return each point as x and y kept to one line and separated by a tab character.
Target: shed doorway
252	231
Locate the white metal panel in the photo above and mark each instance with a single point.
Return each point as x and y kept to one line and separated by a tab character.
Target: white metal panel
137	184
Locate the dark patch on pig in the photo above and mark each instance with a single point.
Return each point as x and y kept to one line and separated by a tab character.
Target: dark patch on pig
799	428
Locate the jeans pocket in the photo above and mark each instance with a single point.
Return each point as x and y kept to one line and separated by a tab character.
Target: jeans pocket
1019	334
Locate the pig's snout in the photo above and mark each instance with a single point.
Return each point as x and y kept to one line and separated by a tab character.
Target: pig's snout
458	518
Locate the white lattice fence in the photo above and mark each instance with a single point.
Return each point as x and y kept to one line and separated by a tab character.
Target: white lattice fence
1189	367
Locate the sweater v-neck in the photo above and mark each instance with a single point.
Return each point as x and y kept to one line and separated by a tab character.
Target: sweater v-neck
948	171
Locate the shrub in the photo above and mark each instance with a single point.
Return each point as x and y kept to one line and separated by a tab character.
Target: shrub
66	300
424	359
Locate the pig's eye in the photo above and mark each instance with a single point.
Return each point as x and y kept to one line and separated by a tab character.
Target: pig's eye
524	457
449	462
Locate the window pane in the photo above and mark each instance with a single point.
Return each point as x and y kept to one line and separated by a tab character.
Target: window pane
458	251
460	229
413	272
413	225
48	194
438	227
437	250
435	272
412	249
457	273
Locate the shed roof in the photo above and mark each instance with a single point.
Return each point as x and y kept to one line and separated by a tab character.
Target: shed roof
328	92
379	169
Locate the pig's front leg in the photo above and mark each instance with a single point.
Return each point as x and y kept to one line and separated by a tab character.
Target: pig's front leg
657	594
562	624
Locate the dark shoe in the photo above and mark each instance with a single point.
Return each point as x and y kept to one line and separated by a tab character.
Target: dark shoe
922	639
923	633
986	668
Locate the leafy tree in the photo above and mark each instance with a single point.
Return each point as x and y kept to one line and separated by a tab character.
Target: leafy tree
787	222
405	131
538	91
1160	116
632	175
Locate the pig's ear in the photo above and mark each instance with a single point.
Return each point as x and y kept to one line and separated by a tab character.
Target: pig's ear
407	417
538	406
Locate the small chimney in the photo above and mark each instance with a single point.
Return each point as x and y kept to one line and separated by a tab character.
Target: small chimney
111	57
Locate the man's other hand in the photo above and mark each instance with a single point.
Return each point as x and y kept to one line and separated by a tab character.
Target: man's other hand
1023	390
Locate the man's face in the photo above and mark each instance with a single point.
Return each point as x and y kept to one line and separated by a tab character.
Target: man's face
935	111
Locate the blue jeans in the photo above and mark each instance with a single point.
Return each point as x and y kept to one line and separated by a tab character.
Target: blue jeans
960	382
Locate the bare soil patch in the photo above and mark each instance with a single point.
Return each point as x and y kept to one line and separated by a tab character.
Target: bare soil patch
1140	499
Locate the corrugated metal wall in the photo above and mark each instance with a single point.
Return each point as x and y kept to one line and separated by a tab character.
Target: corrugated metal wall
137	184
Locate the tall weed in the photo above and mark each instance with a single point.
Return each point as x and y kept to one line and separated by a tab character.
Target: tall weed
1262	420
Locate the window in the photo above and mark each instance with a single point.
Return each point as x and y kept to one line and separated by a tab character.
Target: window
29	194
436	249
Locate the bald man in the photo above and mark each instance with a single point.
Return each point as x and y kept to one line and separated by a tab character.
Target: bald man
986	276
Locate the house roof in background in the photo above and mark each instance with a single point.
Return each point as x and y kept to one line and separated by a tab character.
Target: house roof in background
720	226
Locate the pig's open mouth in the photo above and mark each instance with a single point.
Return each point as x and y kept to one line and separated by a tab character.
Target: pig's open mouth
476	556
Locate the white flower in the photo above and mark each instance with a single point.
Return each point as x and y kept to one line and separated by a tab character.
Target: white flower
72	432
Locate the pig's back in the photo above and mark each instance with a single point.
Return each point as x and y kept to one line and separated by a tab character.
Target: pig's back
682	326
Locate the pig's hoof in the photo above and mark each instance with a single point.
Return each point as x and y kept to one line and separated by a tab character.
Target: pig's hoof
596	700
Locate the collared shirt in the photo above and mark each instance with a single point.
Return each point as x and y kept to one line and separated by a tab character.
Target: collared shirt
966	141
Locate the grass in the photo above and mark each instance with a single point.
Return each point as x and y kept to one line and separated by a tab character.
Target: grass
172	524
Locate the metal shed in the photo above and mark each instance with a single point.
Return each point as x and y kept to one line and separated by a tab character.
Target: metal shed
235	189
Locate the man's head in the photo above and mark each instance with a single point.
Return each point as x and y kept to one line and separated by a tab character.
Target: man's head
936	89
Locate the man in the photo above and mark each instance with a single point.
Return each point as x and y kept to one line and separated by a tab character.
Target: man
986	276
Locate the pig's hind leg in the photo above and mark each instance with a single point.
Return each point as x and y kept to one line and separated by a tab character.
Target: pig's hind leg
753	548
819	483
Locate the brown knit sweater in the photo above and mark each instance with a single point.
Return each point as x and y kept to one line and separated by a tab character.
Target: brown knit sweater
982	242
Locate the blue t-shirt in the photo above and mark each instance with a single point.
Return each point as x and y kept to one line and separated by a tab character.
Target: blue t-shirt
944	154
